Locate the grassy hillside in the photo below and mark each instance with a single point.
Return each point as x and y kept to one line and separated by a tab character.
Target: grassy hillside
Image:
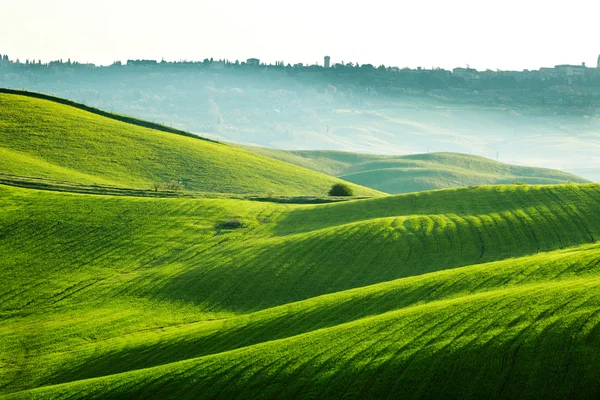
414	173
47	139
480	292
457	352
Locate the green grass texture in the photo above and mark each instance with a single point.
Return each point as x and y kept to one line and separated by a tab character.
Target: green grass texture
484	292
43	138
419	172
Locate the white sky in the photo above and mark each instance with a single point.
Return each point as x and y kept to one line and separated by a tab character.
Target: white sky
505	34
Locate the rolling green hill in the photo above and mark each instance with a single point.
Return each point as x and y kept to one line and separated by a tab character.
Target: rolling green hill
44	138
460	293
414	173
111	291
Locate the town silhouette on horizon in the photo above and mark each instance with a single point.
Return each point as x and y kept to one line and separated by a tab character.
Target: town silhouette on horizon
568	71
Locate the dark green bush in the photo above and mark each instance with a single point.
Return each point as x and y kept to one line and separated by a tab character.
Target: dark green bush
341	189
232	224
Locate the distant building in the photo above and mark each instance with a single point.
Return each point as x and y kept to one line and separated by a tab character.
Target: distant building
218	64
547	73
327	63
298	65
518	75
467	73
571	70
253	61
488	74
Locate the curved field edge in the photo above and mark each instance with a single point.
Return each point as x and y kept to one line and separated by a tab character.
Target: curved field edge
422	178
175	250
46	139
475	200
166	345
159	275
417	172
529	341
118	117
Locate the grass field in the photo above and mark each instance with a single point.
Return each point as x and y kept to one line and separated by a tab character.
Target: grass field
237	288
46	139
419	172
452	293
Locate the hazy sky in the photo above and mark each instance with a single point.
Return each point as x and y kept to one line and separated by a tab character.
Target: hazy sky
503	34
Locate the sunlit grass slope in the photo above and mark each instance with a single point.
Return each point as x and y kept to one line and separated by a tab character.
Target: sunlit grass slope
530	342
453	293
45	139
414	173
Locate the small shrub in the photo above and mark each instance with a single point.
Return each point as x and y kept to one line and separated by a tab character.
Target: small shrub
156	186
341	189
234	223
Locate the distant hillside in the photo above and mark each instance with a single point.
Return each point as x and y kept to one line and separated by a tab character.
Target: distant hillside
45	138
551	123
414	173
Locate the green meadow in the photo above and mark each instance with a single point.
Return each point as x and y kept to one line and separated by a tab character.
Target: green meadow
46	139
417	172
489	291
